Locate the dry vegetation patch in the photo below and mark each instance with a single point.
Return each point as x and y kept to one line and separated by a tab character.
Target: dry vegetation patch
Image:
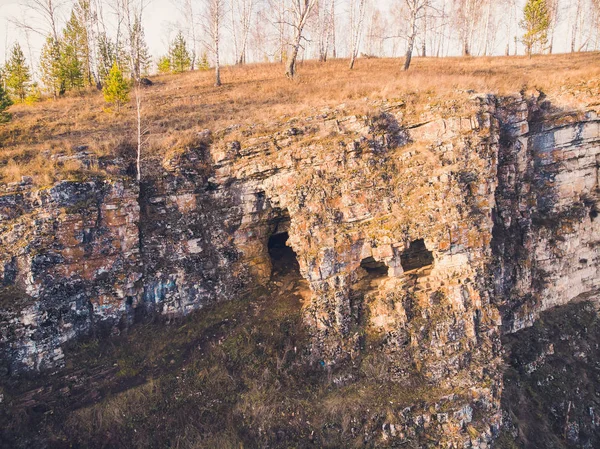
177	107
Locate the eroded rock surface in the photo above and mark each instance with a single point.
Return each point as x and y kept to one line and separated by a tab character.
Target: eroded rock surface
425	240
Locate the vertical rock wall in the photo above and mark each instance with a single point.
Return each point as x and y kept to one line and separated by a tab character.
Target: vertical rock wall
547	232
70	264
420	239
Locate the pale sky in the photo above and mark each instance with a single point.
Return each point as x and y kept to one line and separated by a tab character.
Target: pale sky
161	17
156	20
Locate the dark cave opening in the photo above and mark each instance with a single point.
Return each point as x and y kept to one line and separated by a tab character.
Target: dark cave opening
375	269
283	257
416	256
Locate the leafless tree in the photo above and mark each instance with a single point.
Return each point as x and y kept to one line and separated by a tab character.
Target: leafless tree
300	12
487	26
333	42
582	23
596	22
188	12
213	20
439	25
333	30
241	18
576	24
324	27
278	16
357	17
416	12
553	10
132	12
510	22
45	10
258	40
467	15
376	33
138	108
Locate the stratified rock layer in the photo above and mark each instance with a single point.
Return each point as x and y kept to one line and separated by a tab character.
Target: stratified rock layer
427	238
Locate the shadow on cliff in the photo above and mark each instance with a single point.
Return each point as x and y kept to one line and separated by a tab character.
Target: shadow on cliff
551	384
551	396
185	233
527	205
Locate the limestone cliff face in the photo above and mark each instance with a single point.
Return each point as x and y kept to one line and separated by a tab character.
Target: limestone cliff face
428	238
547	233
70	263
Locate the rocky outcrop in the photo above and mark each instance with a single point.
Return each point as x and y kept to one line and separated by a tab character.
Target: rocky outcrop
546	234
423	238
70	264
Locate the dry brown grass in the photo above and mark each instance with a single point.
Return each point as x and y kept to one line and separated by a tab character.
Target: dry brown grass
178	106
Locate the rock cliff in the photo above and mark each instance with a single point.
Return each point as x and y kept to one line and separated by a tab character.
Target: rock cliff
426	239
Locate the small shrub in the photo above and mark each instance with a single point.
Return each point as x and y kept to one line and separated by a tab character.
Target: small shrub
164	65
34	95
203	64
116	88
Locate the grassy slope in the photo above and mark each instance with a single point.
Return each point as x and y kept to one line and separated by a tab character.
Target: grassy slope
179	106
233	375
551	365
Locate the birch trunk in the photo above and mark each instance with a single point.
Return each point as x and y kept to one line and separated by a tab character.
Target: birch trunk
411	37
301	10
356	19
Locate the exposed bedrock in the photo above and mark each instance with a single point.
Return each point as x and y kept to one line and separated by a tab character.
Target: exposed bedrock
426	239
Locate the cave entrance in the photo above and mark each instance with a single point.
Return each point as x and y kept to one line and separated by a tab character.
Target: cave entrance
416	256
374	269
283	257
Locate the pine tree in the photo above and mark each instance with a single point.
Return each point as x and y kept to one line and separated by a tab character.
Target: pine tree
536	23
34	95
179	55
204	65
107	55
5	102
116	89
51	67
73	37
83	35
139	50
71	67
164	65
17	73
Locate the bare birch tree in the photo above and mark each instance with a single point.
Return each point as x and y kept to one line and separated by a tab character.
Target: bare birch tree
213	21
332	30
576	24
324	27
376	33
279	19
258	41
47	11
486	32
300	12
553	10
582	24
357	18
188	11
596	22
242	12
416	12
136	46
467	16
